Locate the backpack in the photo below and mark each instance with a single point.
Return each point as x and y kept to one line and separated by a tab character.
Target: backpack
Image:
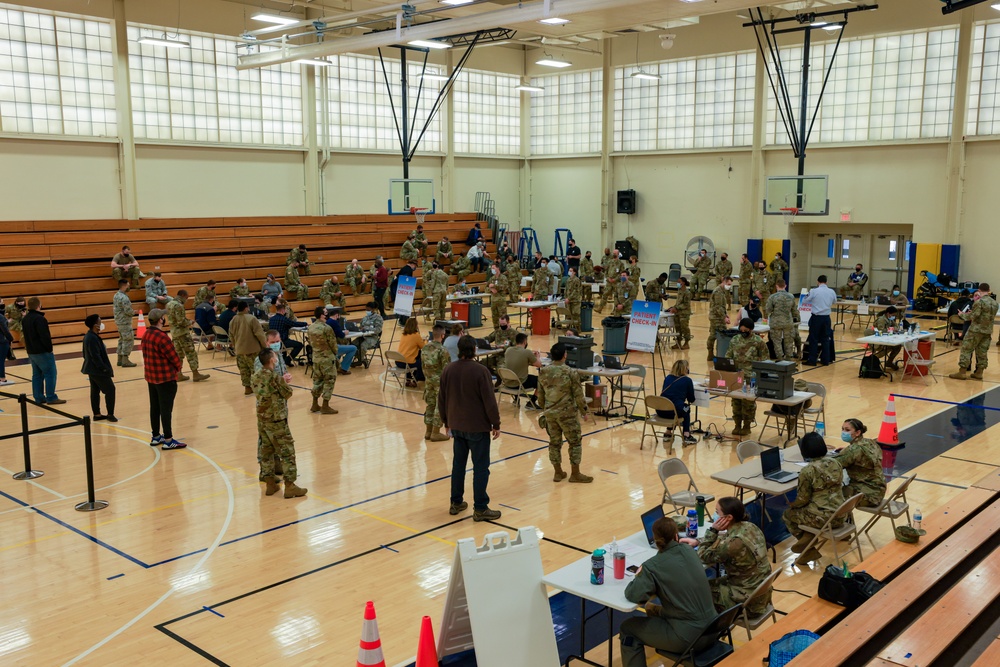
871	367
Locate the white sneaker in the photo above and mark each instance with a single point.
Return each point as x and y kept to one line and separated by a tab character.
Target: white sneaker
4	383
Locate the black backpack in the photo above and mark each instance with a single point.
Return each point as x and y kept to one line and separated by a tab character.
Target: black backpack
871	367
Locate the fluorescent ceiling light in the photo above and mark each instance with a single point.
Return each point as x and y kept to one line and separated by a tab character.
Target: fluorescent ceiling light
525	88
275	19
644	76
314	62
455	2
996	6
554	21
430	44
818	24
163	41
434	77
690	1
548	62
833	26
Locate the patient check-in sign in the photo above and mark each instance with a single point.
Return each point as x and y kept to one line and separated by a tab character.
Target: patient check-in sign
406	288
643	327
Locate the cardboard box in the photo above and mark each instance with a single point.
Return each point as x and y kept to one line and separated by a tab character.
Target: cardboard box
596	395
727	380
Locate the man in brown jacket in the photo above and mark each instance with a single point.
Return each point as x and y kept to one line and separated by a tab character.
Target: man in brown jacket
248	339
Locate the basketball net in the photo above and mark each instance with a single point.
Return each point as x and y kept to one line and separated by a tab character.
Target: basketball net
789	214
419	214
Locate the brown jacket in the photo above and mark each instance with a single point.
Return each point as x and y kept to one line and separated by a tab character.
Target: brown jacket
246	334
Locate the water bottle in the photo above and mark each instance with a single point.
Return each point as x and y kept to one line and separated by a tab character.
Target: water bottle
821	428
597	567
700	507
918	518
692	523
753	386
614	546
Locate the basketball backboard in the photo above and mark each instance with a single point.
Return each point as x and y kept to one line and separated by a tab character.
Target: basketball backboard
408	193
806	193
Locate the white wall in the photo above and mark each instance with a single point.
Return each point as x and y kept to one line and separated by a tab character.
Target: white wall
500	177
566	193
981	209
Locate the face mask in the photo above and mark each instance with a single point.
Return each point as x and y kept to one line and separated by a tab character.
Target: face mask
895	292
157	280
101	327
777	257
745	334
504	326
275	346
588	256
715	517
728	287
624	278
845	436
857	269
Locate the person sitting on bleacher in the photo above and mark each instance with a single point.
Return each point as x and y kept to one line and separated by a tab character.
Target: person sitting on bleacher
444	250
156	292
241	289
124	266
419	240
282	324
409	250
300	258
271	290
819	495
293	282
475	235
477	257
355	277
205	318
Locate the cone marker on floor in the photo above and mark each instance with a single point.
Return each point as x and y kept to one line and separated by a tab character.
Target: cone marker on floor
426	651
370	652
140	330
888	437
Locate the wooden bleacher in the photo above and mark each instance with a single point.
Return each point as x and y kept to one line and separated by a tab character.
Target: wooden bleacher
67	262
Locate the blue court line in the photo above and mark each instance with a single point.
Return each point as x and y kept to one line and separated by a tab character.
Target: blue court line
395	551
209	609
931	481
509	507
116	576
609	471
937	400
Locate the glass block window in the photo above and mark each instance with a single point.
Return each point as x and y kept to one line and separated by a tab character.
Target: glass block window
883	87
702	102
487	113
197	94
984	88
360	110
566	117
56	75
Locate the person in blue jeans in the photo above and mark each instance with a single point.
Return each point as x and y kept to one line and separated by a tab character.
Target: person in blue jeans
38	343
679	389
345	350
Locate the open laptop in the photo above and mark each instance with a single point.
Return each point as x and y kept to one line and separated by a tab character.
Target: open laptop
648	519
725	364
770	464
611	363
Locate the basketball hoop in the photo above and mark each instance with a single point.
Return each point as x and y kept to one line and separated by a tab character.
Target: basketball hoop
789	214
419	214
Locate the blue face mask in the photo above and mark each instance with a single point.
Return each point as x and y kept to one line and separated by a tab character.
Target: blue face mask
845	436
275	346
895	292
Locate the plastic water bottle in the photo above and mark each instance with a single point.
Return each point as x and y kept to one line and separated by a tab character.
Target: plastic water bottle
753	386
821	428
692	523
597	567
918	518
614	546
700	508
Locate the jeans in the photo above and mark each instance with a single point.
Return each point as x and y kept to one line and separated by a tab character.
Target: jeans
102	384
4	351
161	408
683	410
346	352
418	373
379	299
821	337
479	445
294	348
43	376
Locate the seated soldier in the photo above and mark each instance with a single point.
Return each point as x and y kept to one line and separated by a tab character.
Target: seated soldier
156	292
300	258
461	267
444	250
856	282
206	318
241	289
355	278
124	266
419	240
890	321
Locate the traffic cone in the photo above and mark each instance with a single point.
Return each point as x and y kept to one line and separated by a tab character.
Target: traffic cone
888	437
426	651
140	330
370	652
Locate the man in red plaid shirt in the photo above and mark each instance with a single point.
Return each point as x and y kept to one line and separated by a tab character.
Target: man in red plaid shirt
161	365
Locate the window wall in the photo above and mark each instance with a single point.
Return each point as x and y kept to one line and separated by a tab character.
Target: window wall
984	85
487	112
566	117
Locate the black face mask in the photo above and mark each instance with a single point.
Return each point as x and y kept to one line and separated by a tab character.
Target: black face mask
745	334
504	326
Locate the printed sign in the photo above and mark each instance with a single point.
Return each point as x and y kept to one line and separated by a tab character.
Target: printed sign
406	288
643	327
805	310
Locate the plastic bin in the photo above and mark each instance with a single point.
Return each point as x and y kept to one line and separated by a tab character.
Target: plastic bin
475	313
723	339
460	311
614	334
586	316
540	321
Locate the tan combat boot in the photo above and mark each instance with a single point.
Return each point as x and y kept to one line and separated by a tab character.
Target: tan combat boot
126	363
315	406
960	375
560	474
247	391
578	477
200	377
436	435
977	375
326	409
684	346
802	543
272	486
292	491
181	377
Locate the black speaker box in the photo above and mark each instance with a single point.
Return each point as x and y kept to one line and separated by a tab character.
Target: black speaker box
625	250
626	201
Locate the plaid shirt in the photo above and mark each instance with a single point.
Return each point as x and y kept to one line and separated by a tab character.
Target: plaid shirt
281	324
159	359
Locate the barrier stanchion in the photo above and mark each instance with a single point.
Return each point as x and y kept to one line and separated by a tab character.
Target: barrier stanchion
90	505
27	473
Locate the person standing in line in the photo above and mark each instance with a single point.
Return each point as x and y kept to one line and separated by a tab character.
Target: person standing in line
561	399
574	297
434	358
38	343
780	310
587	267
723	268
499	288
183	337
717	316
123	321
161	364
469	411
820	300
381	285
778	268
323	340
98	369
682	315
701	268
247	337
746	278
977	338
272	426
5	340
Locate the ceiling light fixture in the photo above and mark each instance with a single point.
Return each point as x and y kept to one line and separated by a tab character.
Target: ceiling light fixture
525	88
430	44
833	26
455	3
275	19
644	76
314	62
549	62
165	41
996	6
433	77
554	21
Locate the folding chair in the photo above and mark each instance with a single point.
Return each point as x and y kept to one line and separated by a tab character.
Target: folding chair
747	622
199	337
508	379
892	506
398	374
222	342
368	356
748	449
817	411
680	499
782	421
912	359
654	421
828	533
721	626
634	389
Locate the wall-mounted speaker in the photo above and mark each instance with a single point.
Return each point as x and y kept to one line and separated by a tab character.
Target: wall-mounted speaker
626	201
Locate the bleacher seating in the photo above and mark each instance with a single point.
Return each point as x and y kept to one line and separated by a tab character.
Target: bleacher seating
67	262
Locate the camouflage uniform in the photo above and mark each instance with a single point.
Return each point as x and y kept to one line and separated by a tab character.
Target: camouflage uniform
743	552
540	283
513	273
625	293
612	272
272	393
778	268
745	351
780	310
301	256
499	288
977	338
180	333
574	297
419	241
655	290
634	275
717	305
292	284
408	251
331	294
862	459
324	348
239	291
433	358
372	321
461	267
440	294
561	398
701	267
203	294
682	316
132	275
586	268
123	320
14	314
503	339
444	251
819	495
723	269
762	283
354	277
153	291
746	281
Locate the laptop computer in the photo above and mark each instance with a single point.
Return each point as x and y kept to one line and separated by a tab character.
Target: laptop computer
725	364
612	364
648	519
770	464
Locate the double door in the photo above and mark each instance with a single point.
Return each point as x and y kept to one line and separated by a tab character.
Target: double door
884	256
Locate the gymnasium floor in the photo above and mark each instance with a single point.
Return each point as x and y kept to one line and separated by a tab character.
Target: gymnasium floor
191	564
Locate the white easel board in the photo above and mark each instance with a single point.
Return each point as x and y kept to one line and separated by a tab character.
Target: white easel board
497	603
643	326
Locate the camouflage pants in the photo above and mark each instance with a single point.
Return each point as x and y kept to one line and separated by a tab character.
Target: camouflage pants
714	326
745	290
558	427
301	291
276	442
607	295
131	275
498	309
700	281
440	301
851	292
726	594
432	417
783	339
184	345
978	343
870	497
574	315
463	274
440	257
324	376
682	322
744	410
244	362
126	339
806	516
356	287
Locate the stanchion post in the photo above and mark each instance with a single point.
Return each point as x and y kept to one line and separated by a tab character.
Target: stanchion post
91	505
27	473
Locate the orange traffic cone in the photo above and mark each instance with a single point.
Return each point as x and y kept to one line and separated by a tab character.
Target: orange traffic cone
370	653
140	330
888	437
426	652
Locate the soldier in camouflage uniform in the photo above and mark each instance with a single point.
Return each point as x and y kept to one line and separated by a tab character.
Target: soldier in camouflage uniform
14	312
723	268
513	273
419	240
299	257
741	550
780	311
862	459
717	317
612	270
355	277
439	295
682	315
241	289
292	283
656	288
818	497
977	338
499	288
272	394
125	265
433	359
701	267
763	286
625	293
372	321
180	334
560	398
745	349
461	267
778	267
574	297
205	293
324	350
634	272
587	266
540	283
746	279
123	320
331	294
409	250
156	292
444	251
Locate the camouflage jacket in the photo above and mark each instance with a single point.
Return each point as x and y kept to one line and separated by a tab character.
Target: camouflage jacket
820	486
745	351
123	309
272	394
179	323
778	268
724	268
513	273
746	272
718	303
419	238
862	459
323	340
574	290
654	290
239	290
501	337
612	268
354	272
702	265
743	552
780	309
408	251
761	281
291	276
203	294
296	255
634	272
434	358
683	302
440	280
981	316
625	293
461	263
559	391
540	280
586	268
499	286
428	282
444	247
330	291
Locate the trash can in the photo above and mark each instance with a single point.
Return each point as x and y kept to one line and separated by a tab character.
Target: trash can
722	340
586	316
614	334
475	313
540	321
460	311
